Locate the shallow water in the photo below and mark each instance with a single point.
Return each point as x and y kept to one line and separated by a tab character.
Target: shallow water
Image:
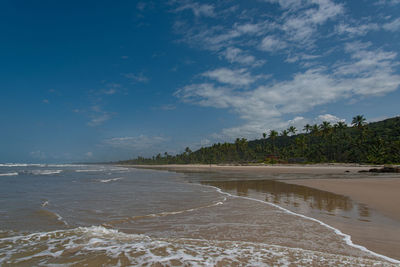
105	215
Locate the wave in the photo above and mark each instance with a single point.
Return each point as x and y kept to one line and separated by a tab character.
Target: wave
32	172
39	165
44	172
346	237
162	214
20	165
50	216
88	245
9	174
111	180
91	170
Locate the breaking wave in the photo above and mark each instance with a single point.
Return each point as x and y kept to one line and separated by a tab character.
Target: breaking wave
110	180
97	244
9	174
43	172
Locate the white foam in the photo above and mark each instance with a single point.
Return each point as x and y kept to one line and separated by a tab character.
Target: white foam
39	165
142	250
90	170
19	165
9	174
346	237
111	180
61	219
45	172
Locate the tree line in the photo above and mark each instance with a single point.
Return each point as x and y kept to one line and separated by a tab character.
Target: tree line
377	143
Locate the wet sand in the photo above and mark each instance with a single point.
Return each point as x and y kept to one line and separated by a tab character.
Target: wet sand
378	194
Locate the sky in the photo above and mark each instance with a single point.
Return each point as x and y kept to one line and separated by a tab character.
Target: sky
89	81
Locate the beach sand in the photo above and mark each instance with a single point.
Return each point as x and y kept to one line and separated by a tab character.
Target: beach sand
259	169
378	192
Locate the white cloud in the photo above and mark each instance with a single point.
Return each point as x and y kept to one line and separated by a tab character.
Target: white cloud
109	91
301	24
272	44
320	76
99	119
89	154
357	30
238	77
237	55
369	72
329	118
198	10
135	142
392	26
168	107
140	77
388	2
287	4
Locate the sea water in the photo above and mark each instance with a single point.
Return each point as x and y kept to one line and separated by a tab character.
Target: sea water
94	215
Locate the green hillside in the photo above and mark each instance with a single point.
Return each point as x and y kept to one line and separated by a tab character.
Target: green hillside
377	142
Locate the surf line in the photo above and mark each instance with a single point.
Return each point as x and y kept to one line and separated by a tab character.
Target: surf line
346	237
162	214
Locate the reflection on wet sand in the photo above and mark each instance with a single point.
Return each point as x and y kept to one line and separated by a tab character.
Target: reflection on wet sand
296	196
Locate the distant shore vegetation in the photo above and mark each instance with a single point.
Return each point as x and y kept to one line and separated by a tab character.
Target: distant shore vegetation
376	143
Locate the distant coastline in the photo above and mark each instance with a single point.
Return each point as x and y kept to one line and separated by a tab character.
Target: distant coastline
360	143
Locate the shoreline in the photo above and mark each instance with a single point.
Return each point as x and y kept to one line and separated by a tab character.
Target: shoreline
377	191
333	168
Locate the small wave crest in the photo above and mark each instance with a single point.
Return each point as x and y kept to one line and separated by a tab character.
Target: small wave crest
90	170
162	214
90	245
20	165
110	180
9	174
51	216
42	172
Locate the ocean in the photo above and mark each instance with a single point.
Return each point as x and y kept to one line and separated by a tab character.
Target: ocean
102	215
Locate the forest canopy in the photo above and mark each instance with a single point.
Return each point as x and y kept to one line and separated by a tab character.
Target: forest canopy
376	142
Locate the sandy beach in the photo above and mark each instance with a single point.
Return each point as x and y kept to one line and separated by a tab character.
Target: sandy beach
380	193
267	169
376	192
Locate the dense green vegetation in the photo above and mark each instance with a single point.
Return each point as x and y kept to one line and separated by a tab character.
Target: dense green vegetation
377	142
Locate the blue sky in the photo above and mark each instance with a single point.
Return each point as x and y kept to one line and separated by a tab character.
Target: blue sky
109	80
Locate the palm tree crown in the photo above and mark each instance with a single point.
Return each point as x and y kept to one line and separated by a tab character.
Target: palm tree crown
307	128
273	134
358	121
292	130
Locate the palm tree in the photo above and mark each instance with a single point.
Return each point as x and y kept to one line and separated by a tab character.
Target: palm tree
273	134
307	128
340	125
358	121
315	129
325	127
292	130
284	133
